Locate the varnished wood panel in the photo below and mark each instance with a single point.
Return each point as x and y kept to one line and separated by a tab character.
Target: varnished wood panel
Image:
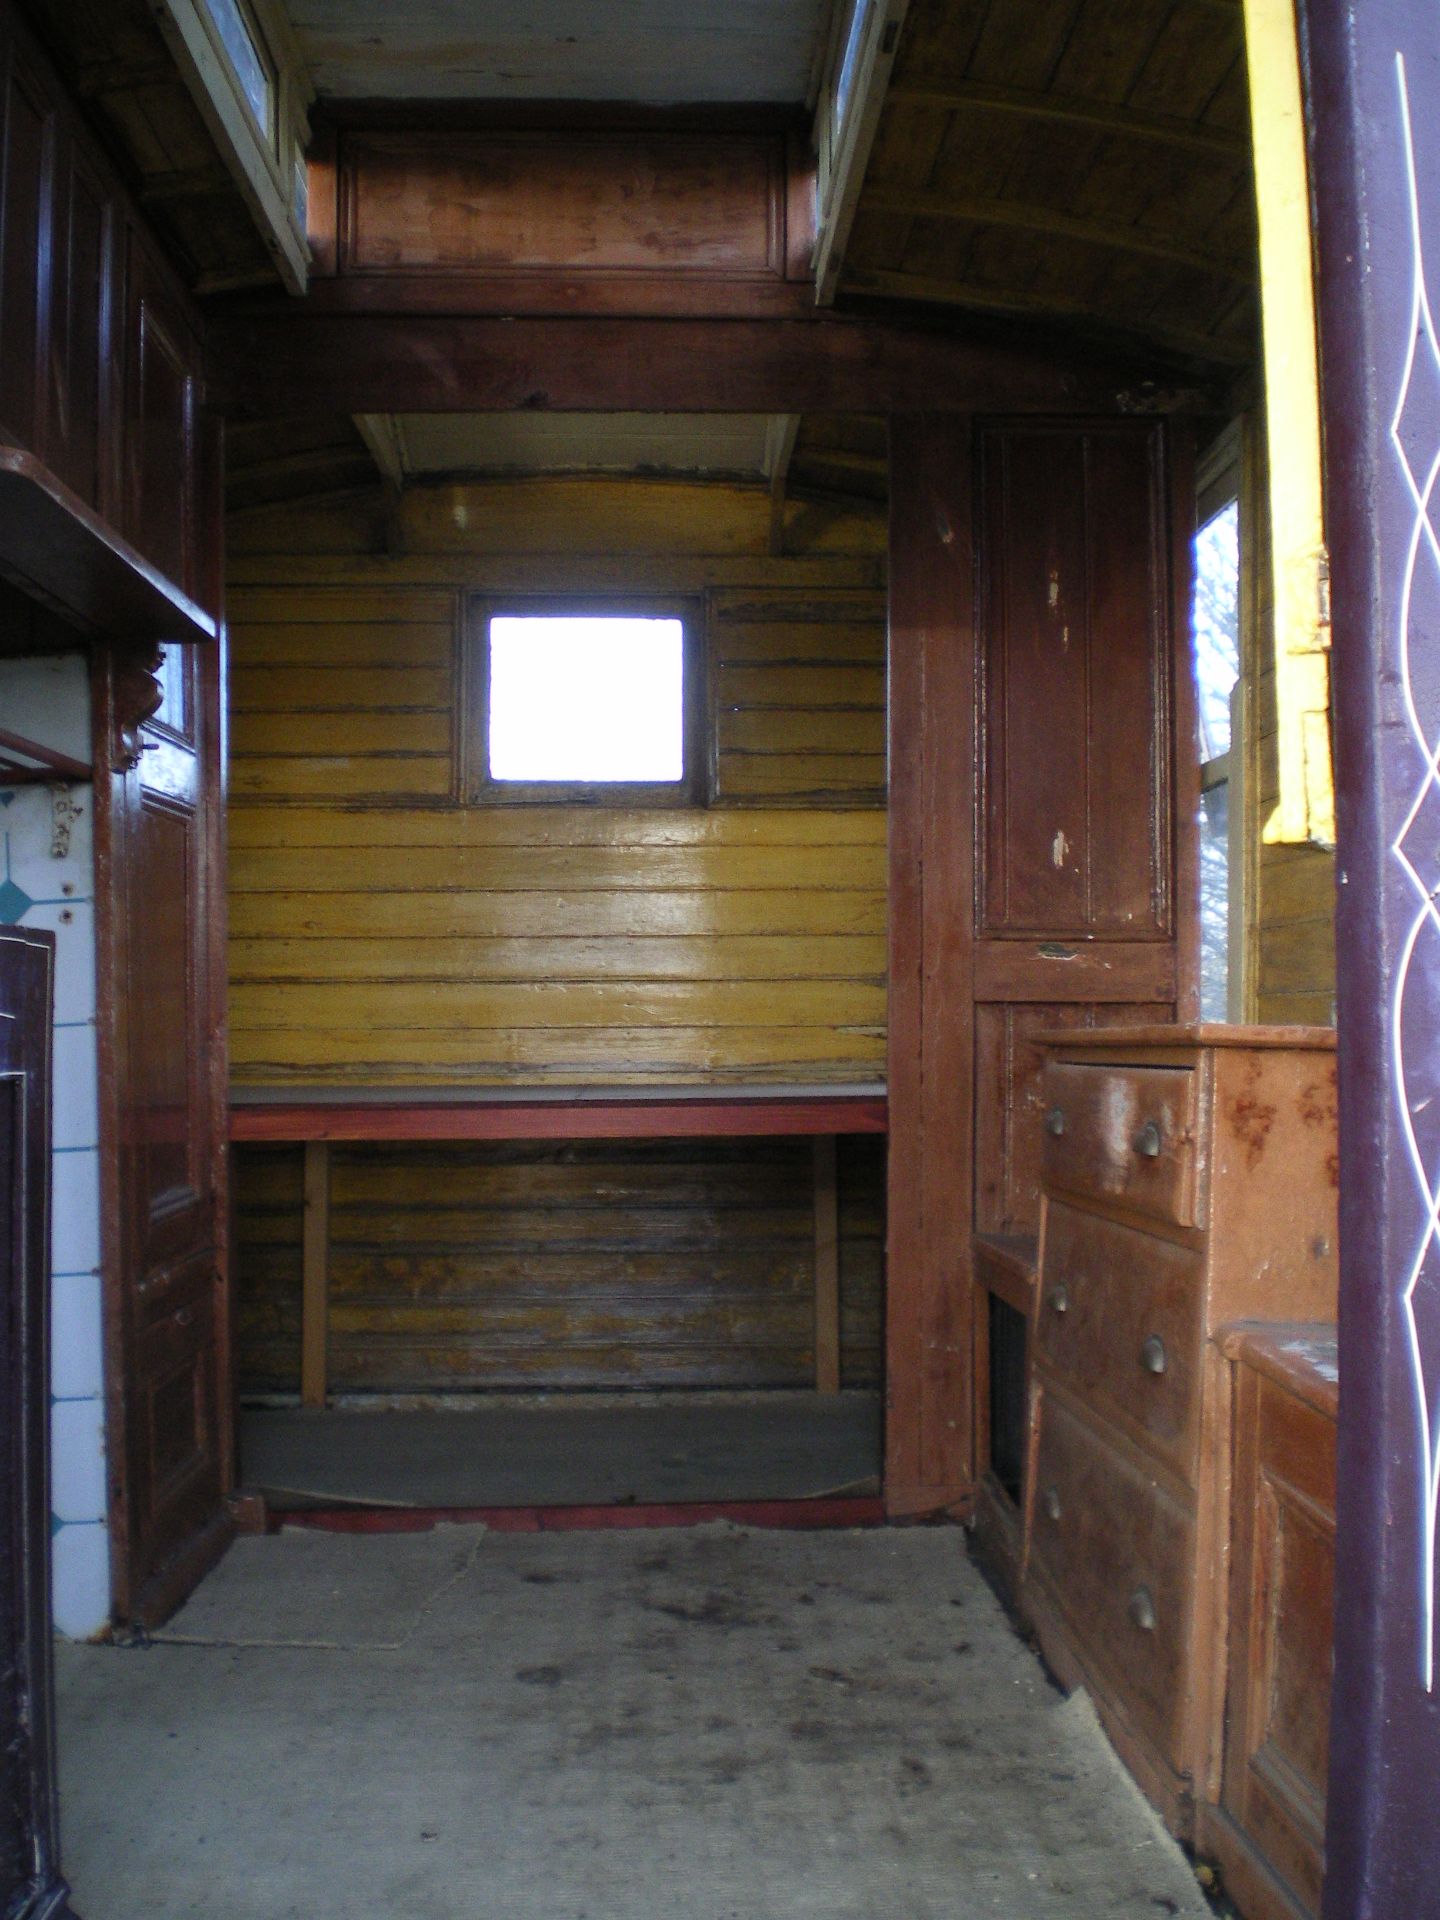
1008	1106
548	1265
29	137
585	202
1268	1830
160	399
1077	682
99	365
80	371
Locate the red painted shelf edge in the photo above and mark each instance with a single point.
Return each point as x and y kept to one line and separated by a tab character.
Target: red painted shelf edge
592	1120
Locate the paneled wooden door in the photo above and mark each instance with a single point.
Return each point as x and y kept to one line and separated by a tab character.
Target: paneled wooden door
160	890
1043	789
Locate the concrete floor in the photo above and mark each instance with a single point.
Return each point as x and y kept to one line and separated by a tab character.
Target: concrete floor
503	1450
708	1724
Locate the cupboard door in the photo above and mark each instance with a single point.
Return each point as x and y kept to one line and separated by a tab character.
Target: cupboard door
168	1359
27	153
160	421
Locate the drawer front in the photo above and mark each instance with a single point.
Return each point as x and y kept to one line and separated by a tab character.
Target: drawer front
1124	1134
1120	1319
1116	1552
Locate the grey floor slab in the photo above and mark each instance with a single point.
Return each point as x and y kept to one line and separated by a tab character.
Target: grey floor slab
570	1450
709	1724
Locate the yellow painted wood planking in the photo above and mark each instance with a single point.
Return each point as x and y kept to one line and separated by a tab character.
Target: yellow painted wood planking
1305	804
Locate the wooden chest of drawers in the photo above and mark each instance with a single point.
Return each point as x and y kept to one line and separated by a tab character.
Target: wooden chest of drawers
1189	1181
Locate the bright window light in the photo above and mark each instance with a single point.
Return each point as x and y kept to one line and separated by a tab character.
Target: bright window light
582	697
1217	626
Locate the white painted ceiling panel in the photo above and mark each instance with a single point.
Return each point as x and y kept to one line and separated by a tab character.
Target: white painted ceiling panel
680	443
658	52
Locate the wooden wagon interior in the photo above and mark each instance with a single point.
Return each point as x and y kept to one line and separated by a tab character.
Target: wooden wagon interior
470	1142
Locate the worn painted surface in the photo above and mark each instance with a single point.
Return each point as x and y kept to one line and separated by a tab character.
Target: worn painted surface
679	1263
383	933
1374	111
1289	896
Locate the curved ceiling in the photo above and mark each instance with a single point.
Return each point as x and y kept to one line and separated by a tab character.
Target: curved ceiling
1084	161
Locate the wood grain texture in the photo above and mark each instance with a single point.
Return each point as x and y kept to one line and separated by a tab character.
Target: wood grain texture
383	932
1047	158
1268	1829
931	716
561	1264
631	201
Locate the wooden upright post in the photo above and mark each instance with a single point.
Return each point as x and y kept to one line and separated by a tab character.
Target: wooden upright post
315	1282
827	1268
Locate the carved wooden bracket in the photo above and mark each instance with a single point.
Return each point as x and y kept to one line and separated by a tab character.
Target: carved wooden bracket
136	698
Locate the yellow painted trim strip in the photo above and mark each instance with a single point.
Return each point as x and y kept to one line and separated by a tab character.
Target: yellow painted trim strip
1306	807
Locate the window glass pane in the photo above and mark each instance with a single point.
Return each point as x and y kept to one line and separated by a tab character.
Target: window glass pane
586	697
849	60
243	51
1217	626
1215	903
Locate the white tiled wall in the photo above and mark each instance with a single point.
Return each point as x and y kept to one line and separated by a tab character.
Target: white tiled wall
48	700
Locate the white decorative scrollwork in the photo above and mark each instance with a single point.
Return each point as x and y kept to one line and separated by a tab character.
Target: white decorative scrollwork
1415	423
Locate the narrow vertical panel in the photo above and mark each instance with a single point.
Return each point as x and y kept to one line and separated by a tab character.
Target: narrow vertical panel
827	1267
1373	106
1036	679
79	327
1128	828
932	826
159	422
25	252
910	560
315	1302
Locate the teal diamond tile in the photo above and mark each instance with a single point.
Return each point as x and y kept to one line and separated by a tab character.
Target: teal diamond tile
15	903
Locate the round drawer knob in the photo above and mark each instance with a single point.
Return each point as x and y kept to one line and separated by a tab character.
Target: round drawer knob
1060	1298
1152	1354
1055	1121
1148	1141
1142	1609
1052	1502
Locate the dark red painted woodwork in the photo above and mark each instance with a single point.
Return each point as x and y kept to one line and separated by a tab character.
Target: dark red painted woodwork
99	354
284	359
158	885
797	1515
1378	248
30	1882
55	548
473	1117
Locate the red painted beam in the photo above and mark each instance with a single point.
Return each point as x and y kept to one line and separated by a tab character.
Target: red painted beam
646	1119
799	1515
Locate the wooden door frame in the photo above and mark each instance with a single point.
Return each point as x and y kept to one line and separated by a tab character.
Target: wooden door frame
1372	107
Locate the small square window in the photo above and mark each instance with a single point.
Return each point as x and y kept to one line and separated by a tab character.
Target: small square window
583	702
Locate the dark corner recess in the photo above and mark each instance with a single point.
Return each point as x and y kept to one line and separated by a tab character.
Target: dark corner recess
57	549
